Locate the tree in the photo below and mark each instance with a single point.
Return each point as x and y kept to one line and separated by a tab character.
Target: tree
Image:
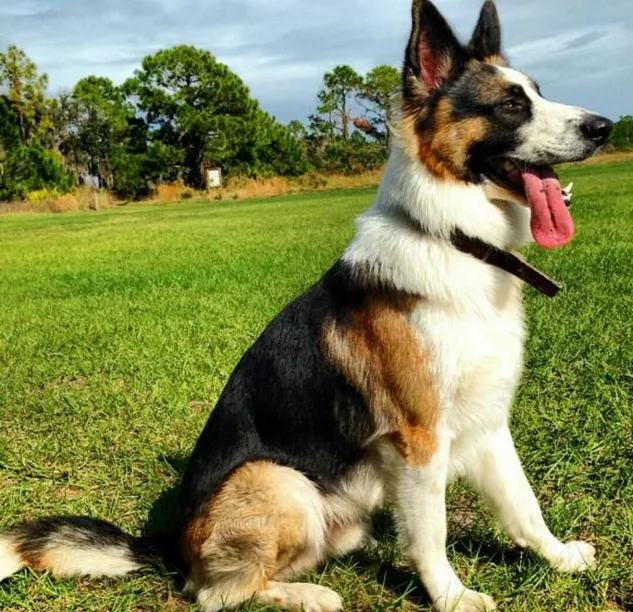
378	97
9	126
193	104
622	134
297	129
275	150
341	86
102	118
25	90
31	167
59	123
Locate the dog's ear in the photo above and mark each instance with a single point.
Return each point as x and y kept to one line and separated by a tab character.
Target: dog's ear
433	54
486	40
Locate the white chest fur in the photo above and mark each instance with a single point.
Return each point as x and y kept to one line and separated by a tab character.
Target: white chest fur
470	318
476	362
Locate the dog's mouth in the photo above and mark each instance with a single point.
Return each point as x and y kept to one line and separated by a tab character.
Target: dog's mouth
552	224
504	171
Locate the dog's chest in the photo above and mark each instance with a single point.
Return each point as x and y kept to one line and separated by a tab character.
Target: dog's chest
476	362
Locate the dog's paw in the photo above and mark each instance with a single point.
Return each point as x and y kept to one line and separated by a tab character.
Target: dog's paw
468	601
575	557
302	596
321	599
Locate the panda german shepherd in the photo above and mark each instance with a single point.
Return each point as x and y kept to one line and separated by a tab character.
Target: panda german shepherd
395	373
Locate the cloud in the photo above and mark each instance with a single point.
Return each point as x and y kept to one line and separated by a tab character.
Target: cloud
580	52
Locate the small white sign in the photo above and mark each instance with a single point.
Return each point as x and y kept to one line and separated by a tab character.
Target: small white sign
214	178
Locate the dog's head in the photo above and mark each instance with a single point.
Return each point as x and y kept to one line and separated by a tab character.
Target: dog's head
470	117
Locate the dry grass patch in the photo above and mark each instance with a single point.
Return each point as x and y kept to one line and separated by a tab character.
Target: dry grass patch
91	199
65	203
169	192
43	201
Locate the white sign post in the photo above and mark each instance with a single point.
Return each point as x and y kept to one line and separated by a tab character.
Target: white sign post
214	178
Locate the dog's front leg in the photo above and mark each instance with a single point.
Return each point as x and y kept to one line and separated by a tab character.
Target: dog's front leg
419	493
495	471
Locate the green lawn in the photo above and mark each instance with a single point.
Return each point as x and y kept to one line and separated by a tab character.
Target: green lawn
119	329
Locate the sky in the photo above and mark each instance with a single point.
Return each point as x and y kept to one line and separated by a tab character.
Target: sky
580	51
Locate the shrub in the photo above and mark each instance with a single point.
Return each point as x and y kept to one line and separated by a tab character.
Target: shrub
313	180
186	194
169	192
92	199
354	156
41	195
131	176
65	203
31	168
622	135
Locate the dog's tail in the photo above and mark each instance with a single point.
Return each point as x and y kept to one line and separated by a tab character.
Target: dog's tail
77	546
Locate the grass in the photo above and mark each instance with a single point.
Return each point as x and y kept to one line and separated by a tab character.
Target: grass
119	329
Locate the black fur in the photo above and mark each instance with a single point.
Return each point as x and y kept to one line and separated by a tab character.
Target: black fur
486	40
430	27
466	86
285	402
507	112
33	539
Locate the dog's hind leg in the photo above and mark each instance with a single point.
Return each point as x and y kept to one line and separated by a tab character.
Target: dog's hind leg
263	519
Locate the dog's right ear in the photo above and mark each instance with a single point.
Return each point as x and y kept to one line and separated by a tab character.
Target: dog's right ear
486	40
433	54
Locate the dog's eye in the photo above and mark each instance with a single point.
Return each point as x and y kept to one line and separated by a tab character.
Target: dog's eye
512	105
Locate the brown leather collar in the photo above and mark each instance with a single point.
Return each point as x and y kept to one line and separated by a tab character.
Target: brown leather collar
504	260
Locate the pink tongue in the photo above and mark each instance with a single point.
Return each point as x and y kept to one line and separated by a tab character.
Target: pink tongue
552	225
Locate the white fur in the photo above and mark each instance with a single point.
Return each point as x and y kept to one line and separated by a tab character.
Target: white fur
305	495
297	596
301	596
64	559
554	131
10	561
430	266
471	323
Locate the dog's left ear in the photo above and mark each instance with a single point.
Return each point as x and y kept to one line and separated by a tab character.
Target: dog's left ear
486	40
433	55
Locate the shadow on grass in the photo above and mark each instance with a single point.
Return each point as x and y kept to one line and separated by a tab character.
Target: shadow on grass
164	524
378	562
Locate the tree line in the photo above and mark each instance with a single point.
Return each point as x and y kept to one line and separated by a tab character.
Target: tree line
180	112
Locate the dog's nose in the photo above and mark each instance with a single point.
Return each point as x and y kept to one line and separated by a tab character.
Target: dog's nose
597	129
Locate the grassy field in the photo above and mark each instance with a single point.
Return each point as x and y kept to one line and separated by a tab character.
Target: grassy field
120	328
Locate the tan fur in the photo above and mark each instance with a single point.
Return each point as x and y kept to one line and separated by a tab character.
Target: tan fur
439	139
62	560
496	60
381	356
405	133
444	150
249	530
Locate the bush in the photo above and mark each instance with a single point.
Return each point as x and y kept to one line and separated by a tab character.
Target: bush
131	178
169	192
41	195
93	199
622	136
65	203
353	156
28	169
313	180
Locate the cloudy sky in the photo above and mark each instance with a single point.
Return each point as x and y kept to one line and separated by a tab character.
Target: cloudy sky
581	51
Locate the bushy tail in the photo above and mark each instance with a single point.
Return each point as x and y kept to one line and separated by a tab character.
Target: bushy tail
74	546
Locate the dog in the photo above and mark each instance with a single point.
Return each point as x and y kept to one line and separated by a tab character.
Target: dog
395	373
